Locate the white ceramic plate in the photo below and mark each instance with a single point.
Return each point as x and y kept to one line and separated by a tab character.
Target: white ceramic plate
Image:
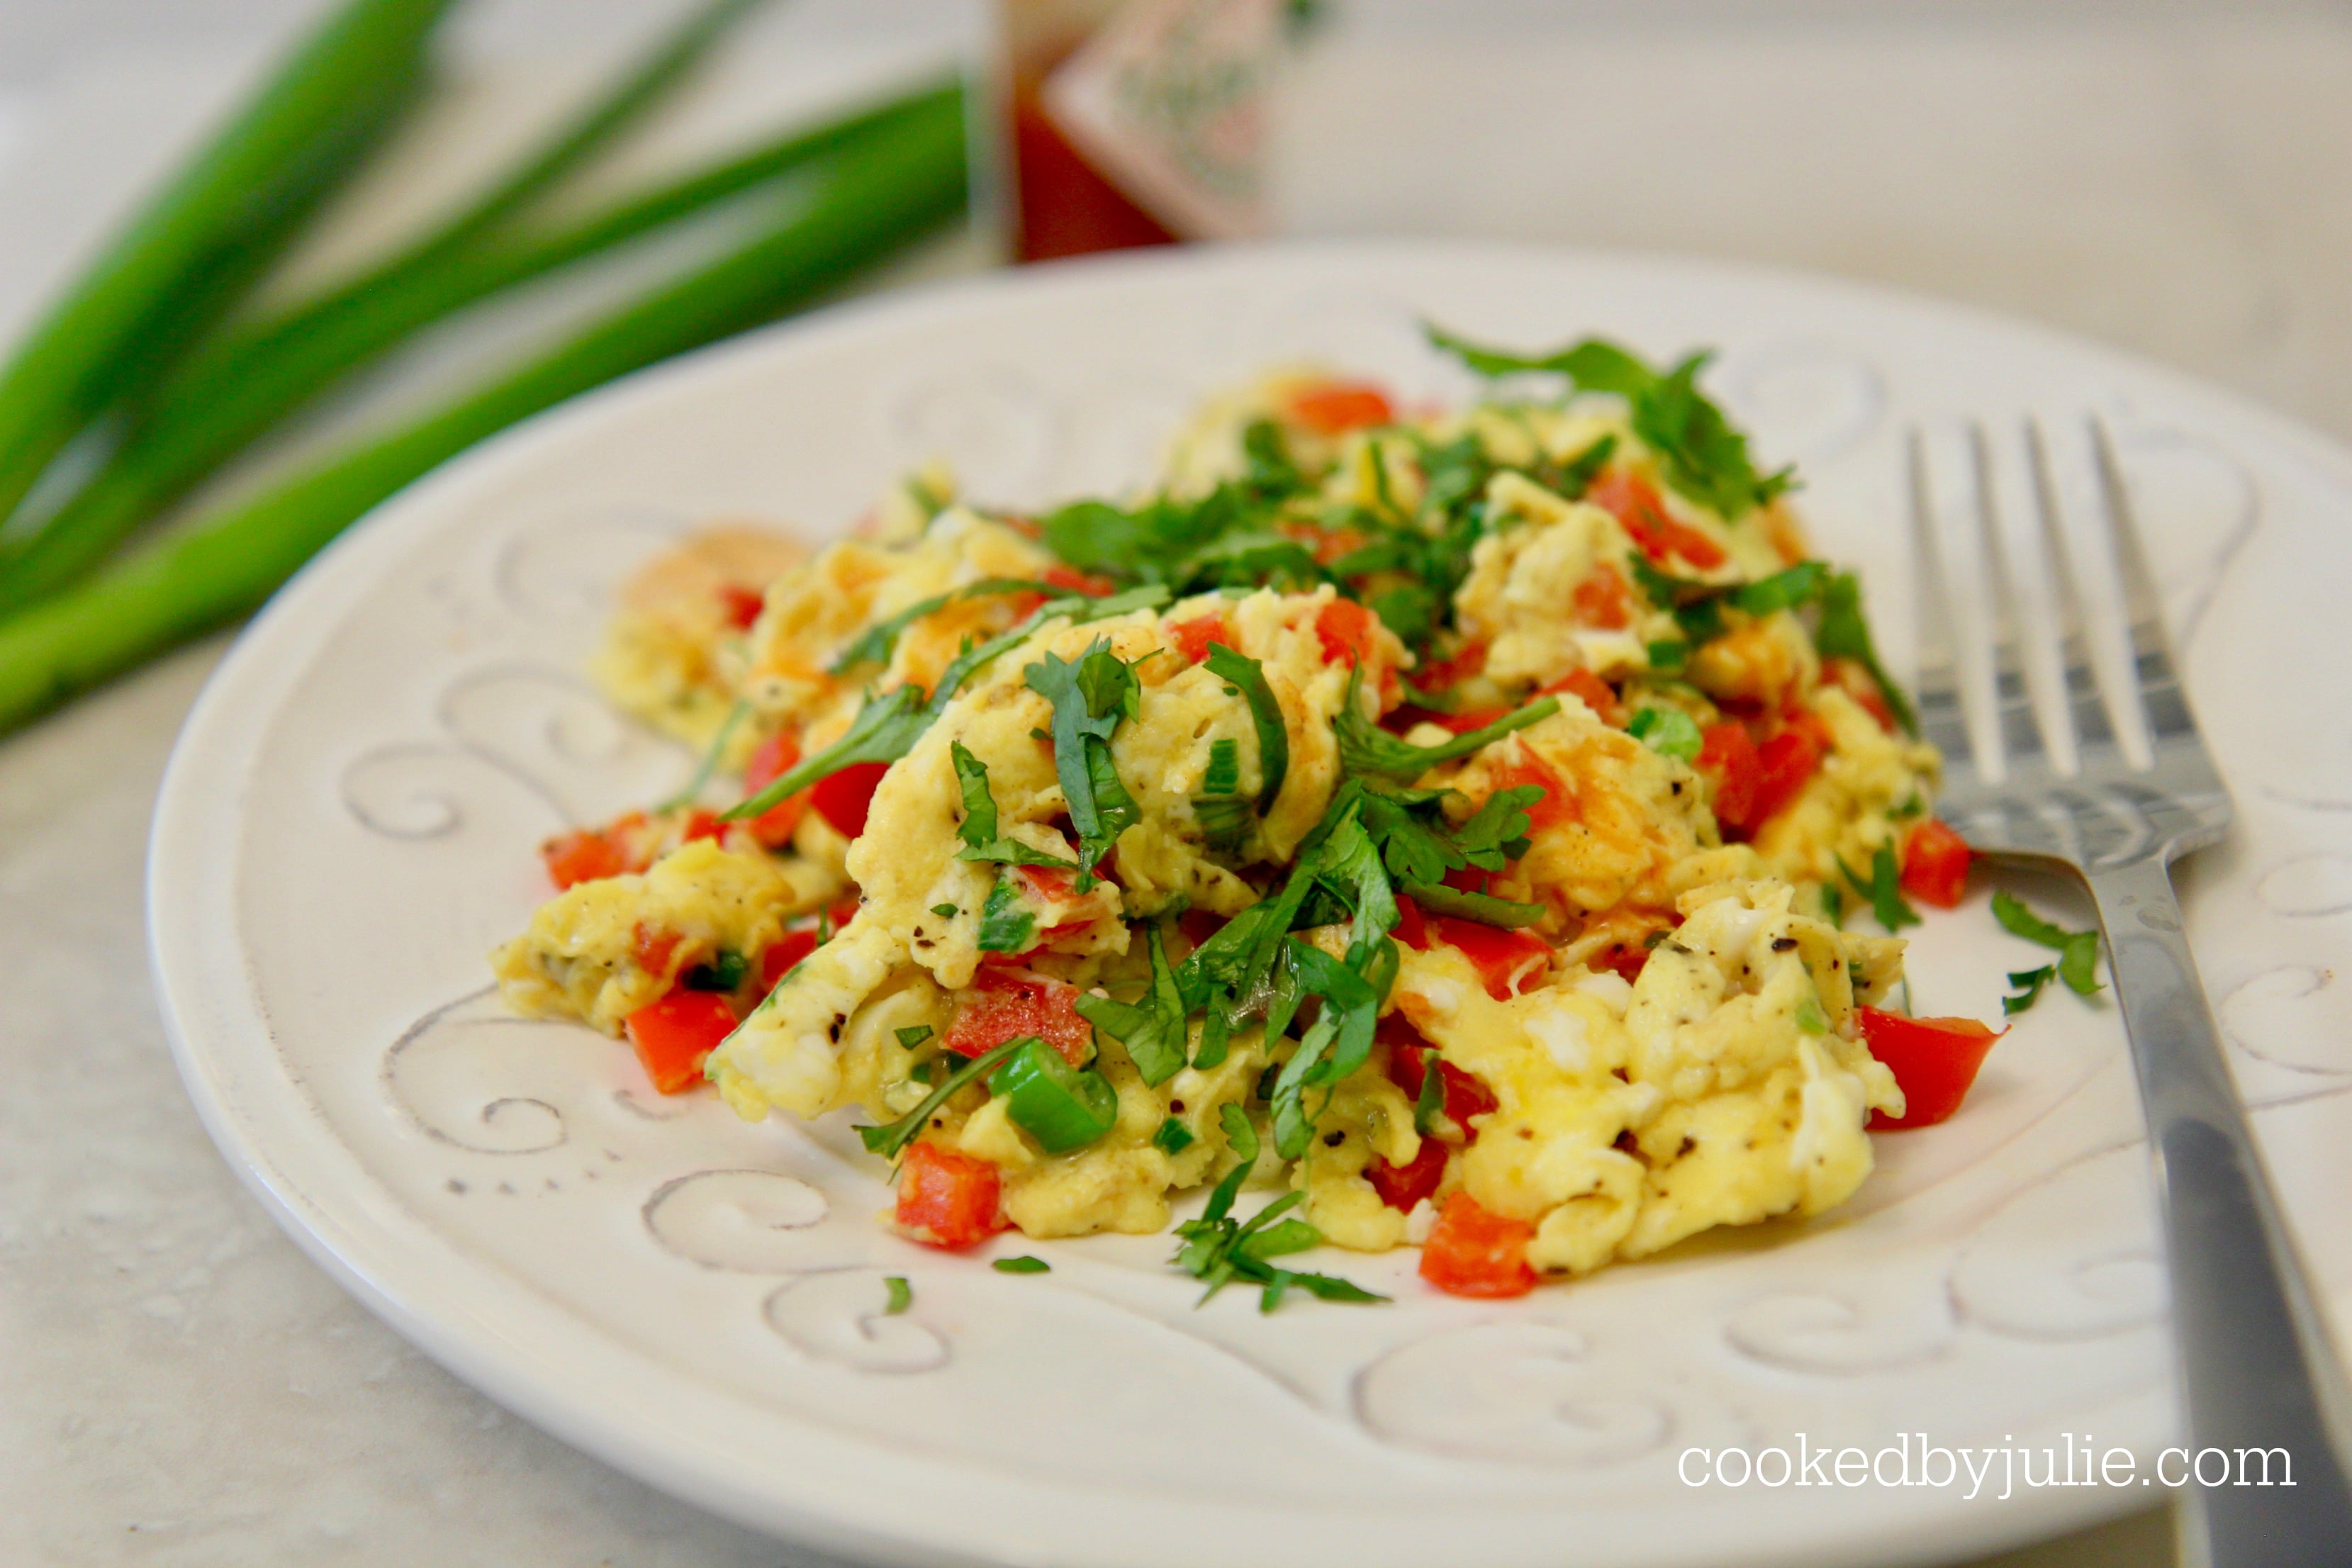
349	821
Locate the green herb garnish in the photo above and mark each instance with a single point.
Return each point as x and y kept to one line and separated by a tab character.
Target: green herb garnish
2027	985
912	1036
981	839
2078	951
1669	731
1884	890
1844	633
1152	1029
1367	751
1173	1137
891	1139
1090	696
1021	1265
725	972
901	1294
1245	675
1219	1249
1006	923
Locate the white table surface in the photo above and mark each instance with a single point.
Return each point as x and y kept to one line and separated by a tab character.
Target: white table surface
179	1386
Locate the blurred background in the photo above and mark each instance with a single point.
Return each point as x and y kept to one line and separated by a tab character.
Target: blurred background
176	1383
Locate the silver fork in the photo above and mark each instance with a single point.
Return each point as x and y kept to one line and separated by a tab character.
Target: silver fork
2047	680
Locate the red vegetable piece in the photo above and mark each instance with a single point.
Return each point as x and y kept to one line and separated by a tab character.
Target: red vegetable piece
1630	499
1726	751
1783	764
783	953
1593	692
1070	580
1504	959
653	950
1935	865
1475	719
572	859
1192	638
1933	1059
1344	627
742	604
1473	1252
701	824
1411	929
1604	599
1525	768
946	1198
843	798
1335	407
776	757
674	1034
1402	1186
1001	1007
1410	1054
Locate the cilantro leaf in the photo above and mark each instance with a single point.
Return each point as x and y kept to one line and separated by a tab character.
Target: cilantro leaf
2078	951
875	644
981	840
1884	890
1005	925
1486	908
1336	1045
1844	633
1703	458
1348	863
1219	1249
2029	983
1153	1027
1799	585
1367	751
1024	1264
1247	676
1429	1103
1090	696
1173	1137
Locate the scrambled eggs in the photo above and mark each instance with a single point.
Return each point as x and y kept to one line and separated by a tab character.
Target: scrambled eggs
1445	820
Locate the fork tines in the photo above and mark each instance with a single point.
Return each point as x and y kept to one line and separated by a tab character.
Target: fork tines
2046	676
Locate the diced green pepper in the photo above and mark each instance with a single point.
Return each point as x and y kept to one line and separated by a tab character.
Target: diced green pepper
1060	1106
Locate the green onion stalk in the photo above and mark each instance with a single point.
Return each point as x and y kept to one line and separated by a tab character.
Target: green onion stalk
226	397
198	244
900	182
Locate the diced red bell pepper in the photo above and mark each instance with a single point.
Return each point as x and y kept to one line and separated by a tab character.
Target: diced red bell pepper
674	1034
1504	959
1437	674
1593	692
1192	638
1625	958
783	953
742	604
1933	1059
946	1198
701	824
1070	580
1783	765
1410	1054
843	798
775	756
1411	929
1335	407
1198	925
1344	627
653	950
1726	751
1473	1252
572	859
1402	1186
1604	599
1935	865
1001	1007
1632	500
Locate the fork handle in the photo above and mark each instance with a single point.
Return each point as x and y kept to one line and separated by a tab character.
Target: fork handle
2256	1361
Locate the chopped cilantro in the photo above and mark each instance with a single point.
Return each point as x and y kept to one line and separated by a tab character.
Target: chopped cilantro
1486	908
1021	1265
2028	985
891	1139
1669	654
901	1294
878	641
1884	890
1844	633
1333	1047
1090	696
709	765
1173	1137
1703	456
1429	1103
1669	731
981	840
2078	951
1219	1249
1005	926
1246	675
1799	585
1153	1027
1367	751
